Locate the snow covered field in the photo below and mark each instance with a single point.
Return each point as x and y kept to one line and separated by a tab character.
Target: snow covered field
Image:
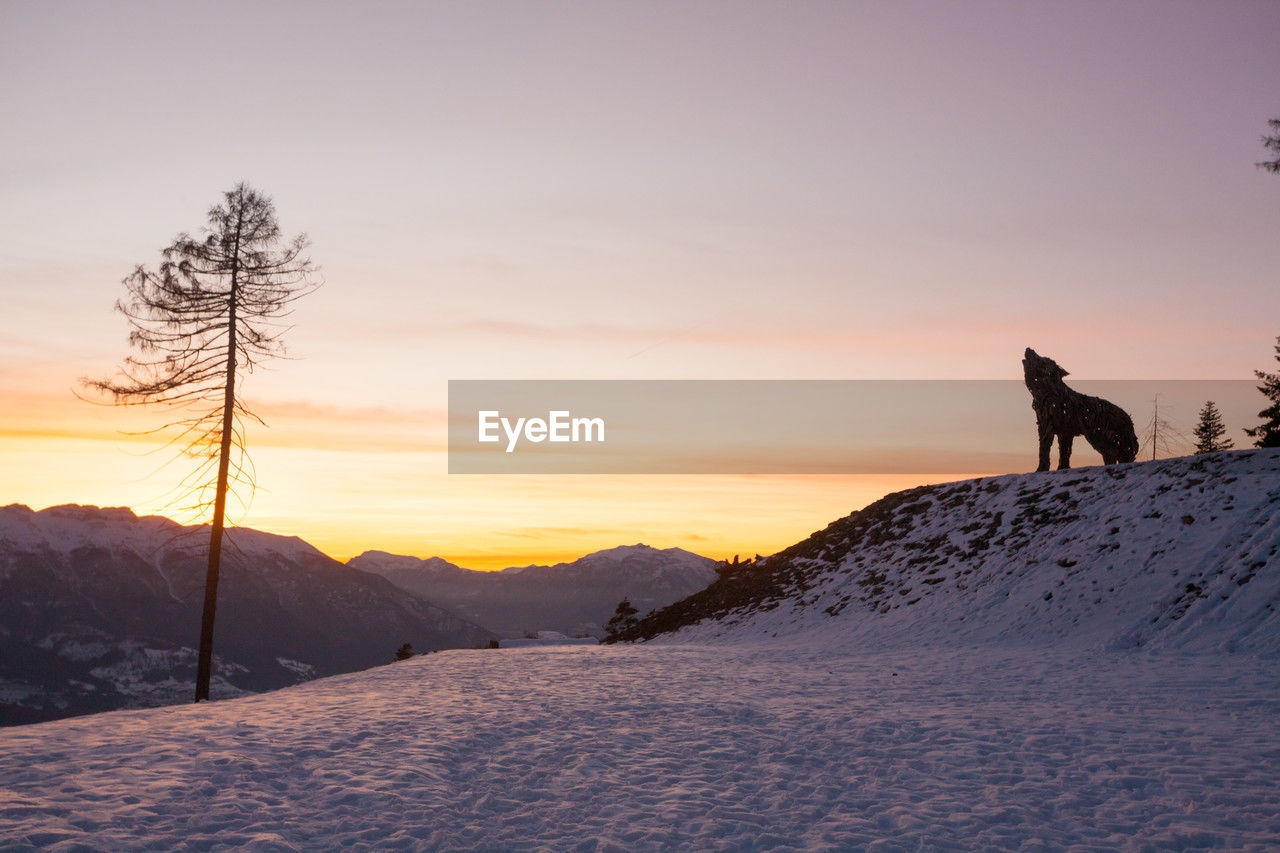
675	746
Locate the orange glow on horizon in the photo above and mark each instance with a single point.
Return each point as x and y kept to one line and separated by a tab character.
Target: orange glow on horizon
348	480
345	502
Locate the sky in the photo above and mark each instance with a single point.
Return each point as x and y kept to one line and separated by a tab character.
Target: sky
609	190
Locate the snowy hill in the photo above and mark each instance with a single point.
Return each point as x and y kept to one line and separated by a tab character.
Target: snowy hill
100	609
572	598
1179	553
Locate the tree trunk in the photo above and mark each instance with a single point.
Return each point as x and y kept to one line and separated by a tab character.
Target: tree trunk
204	664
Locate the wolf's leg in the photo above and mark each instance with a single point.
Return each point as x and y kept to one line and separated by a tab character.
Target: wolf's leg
1046	439
1064	450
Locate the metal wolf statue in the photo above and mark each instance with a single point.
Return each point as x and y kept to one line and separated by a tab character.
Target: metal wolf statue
1066	413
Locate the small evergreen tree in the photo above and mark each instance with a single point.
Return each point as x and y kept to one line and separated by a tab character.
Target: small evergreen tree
1267	433
404	652
624	618
1210	431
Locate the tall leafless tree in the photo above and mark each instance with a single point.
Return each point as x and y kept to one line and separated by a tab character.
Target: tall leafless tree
211	309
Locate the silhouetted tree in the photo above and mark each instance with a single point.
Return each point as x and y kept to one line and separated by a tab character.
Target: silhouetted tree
1267	433
1272	143
212	308
1210	431
624	617
1161	435
726	568
404	652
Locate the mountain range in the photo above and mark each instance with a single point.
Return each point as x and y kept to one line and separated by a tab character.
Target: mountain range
574	598
100	609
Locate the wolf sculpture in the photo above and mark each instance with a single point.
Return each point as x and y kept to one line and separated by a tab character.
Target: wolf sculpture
1065	413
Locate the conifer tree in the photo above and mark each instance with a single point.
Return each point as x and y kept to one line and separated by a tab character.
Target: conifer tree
624	617
1267	433
1210	432
209	313
1272	144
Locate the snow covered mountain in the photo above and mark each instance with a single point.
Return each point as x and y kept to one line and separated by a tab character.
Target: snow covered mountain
573	598
100	609
1180	553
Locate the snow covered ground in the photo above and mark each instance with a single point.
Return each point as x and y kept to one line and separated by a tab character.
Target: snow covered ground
1084	660
547	638
680	746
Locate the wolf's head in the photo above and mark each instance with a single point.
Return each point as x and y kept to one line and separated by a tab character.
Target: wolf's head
1040	371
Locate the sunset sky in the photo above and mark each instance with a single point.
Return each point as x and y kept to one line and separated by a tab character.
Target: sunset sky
607	190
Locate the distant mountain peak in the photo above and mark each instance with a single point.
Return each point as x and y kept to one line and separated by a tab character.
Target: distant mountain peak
89	512
571	597
625	550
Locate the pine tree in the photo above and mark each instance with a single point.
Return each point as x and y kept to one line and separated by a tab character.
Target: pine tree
624	618
1272	144
404	652
1210	431
209	314
1267	433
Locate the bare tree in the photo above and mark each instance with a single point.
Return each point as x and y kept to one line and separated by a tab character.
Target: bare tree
212	308
1161	435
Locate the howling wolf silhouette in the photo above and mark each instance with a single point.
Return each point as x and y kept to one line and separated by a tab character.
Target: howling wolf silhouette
1066	413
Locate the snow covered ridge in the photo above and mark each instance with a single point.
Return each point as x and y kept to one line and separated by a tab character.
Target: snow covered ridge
1179	553
100	609
69	526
